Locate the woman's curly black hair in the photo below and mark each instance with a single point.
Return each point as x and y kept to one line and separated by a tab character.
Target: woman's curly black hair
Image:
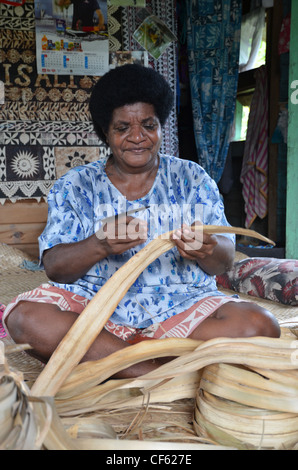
129	84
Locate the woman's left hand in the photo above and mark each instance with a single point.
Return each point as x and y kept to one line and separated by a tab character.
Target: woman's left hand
193	243
214	253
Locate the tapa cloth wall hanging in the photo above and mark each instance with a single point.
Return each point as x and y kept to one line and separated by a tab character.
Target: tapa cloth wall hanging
45	126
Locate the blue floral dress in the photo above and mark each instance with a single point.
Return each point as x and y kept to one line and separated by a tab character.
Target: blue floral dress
182	193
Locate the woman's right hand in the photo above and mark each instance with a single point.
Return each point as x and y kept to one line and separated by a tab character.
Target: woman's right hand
65	263
121	234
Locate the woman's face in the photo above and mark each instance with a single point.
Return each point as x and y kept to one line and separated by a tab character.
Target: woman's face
134	137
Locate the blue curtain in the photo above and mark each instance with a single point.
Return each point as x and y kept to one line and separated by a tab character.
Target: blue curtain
213	42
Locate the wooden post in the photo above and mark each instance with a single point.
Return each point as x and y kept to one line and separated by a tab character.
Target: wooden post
292	158
274	22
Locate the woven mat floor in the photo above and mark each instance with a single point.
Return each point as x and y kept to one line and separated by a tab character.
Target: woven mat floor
14	279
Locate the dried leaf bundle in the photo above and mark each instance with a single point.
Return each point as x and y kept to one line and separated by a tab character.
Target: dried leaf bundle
265	386
20	427
237	406
247	408
245	389
32	423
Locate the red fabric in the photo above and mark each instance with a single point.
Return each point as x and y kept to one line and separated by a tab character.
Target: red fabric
267	278
284	36
2	331
180	325
254	172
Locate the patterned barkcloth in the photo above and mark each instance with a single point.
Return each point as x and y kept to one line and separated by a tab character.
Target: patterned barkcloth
45	125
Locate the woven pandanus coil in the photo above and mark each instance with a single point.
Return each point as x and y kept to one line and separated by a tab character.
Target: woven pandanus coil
246	407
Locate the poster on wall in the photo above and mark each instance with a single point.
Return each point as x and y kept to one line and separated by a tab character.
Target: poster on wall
72	37
14	3
154	35
128	3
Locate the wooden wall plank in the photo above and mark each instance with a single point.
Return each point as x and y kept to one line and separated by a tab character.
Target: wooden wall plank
273	27
19	233
21	223
29	212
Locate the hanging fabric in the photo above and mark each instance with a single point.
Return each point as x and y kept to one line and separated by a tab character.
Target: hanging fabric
252	27
254	173
213	41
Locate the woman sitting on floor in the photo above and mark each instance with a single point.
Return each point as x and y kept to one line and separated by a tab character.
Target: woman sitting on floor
176	295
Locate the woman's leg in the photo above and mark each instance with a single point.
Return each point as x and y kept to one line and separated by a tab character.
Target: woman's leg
237	320
43	326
